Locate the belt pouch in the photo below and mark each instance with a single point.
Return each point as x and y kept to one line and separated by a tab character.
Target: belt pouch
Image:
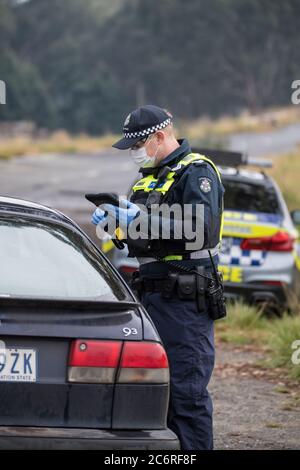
186	286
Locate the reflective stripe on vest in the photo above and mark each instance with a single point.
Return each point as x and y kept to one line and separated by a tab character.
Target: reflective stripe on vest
200	254
148	183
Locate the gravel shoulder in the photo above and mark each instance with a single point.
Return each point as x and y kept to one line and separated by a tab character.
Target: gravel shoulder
253	408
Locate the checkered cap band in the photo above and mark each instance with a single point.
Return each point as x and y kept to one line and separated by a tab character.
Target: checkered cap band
148	131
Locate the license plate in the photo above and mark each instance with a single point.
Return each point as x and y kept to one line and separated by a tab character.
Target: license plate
17	365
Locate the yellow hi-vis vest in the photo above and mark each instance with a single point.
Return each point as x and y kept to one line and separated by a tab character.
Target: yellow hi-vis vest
148	183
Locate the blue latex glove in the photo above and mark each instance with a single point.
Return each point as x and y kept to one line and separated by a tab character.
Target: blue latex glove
124	214
98	216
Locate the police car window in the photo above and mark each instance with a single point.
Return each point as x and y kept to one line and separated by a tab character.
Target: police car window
45	259
249	197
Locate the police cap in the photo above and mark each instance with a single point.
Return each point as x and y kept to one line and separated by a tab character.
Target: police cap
141	123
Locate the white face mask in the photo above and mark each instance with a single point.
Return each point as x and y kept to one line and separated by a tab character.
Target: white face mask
142	159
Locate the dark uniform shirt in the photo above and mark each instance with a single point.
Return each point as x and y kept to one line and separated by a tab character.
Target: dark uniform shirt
197	183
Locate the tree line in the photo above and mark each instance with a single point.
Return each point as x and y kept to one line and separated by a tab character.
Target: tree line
83	64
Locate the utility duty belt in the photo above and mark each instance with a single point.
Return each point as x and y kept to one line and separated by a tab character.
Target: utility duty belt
207	291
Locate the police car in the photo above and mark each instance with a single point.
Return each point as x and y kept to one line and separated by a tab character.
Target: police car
259	255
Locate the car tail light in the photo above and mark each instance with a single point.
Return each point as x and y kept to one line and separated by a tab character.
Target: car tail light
128	269
281	241
273	283
143	362
96	361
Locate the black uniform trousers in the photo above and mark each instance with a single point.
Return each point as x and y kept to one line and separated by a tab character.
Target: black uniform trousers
188	337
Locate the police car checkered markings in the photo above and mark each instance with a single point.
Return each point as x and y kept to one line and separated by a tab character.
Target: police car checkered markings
235	215
258	217
18	365
232	254
245	229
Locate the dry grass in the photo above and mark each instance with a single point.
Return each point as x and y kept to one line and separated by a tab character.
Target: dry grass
203	131
283	335
270	120
286	172
58	142
246	325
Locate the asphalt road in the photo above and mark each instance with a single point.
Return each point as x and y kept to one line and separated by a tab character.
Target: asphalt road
60	181
267	143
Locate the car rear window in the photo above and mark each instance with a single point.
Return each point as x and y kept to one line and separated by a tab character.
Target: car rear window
244	196
41	259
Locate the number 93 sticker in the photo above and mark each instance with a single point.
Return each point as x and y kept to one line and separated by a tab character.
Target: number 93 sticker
129	331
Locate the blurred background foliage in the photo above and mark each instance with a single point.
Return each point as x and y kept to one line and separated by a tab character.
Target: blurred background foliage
80	64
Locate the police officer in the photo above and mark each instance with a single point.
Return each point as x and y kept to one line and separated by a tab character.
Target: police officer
175	299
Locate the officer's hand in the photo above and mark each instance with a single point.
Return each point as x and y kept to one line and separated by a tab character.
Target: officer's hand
124	214
98	216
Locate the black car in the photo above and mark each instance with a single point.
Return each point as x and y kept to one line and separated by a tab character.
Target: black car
81	364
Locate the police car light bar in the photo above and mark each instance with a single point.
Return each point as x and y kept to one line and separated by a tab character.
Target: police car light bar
229	158
259	162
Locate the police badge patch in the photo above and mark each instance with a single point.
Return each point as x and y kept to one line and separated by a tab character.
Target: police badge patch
126	122
205	185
